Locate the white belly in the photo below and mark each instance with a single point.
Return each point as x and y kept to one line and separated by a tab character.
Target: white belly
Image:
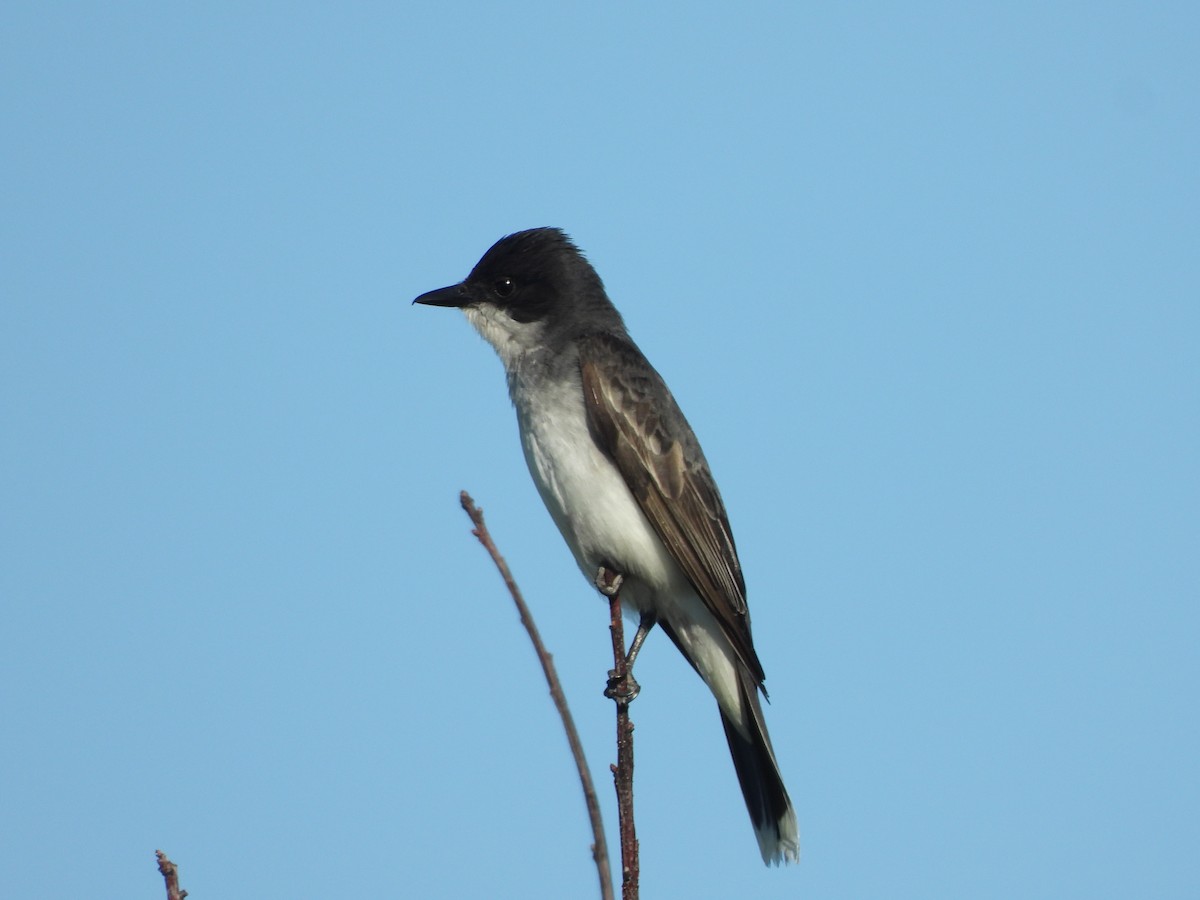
605	525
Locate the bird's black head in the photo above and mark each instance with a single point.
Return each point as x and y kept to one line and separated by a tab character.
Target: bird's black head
530	278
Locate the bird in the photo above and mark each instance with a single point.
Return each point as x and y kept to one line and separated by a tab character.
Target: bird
624	478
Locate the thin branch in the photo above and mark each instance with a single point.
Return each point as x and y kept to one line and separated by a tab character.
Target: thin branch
600	846
622	689
170	874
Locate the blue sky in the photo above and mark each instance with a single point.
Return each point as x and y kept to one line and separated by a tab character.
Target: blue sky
924	278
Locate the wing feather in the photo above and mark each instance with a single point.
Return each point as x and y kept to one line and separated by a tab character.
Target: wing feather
639	425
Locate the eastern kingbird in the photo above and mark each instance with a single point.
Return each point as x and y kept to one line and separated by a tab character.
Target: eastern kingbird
625	480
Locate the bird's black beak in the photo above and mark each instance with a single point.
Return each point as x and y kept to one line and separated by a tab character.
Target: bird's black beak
456	296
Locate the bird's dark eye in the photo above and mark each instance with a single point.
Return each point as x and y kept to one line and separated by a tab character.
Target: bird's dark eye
504	287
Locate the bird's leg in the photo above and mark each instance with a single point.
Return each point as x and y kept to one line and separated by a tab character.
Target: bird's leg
645	626
621	685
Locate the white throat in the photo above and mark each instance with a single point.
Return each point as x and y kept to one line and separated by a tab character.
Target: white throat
511	339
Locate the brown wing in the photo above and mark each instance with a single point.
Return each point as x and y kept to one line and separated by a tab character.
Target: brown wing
636	421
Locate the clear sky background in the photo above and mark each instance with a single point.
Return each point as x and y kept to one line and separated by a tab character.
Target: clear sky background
925	278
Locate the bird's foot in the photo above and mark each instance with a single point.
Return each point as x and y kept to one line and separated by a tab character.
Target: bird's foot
621	688
608	582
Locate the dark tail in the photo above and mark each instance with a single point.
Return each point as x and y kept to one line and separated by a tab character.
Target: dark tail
767	799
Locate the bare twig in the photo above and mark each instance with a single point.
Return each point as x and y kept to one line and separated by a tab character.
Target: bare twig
622	689
600	846
170	874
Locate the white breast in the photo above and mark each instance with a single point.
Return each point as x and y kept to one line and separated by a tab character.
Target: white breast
605	525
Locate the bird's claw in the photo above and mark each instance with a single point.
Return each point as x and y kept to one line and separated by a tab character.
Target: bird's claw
621	688
608	582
